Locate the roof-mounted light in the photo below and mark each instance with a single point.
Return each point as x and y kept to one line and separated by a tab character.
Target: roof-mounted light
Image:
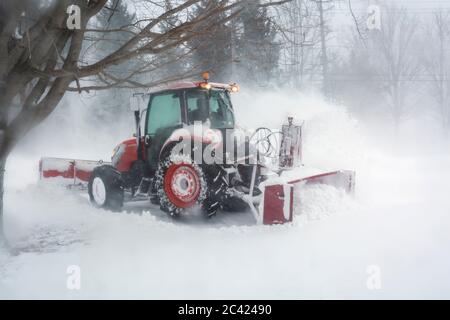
205	85
205	76
234	88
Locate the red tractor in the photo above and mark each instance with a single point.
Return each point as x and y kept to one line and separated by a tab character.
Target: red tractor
188	153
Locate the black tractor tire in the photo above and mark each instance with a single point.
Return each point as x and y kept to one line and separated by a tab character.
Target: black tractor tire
106	189
168	170
210	178
217	188
154	198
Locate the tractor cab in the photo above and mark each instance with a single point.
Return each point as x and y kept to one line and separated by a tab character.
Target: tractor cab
185	105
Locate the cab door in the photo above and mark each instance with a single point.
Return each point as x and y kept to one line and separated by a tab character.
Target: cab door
164	115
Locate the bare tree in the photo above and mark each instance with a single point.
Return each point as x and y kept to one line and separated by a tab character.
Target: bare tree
41	58
323	48
437	64
299	32
392	53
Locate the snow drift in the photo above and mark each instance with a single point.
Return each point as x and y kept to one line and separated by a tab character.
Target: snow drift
397	223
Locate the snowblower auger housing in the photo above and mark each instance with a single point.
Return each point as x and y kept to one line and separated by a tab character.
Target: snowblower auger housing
188	153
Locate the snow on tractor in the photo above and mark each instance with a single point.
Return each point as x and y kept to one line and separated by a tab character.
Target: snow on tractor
191	156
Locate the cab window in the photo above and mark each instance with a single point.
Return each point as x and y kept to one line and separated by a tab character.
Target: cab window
197	106
221	114
214	105
164	112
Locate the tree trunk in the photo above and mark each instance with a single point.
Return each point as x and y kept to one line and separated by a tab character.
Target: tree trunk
2	175
324	55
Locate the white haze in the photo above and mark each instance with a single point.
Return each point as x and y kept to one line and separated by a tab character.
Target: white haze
398	221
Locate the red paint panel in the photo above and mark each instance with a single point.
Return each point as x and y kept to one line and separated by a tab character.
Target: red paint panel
274	204
83	175
77	170
51	173
128	157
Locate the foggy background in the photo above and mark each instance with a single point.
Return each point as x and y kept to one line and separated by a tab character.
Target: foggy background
393	78
375	101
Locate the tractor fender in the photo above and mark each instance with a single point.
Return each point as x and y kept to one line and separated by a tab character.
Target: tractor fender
125	154
200	134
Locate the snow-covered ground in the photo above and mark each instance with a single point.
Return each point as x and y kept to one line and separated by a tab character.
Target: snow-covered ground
396	229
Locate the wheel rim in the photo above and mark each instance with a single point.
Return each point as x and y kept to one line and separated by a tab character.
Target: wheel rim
99	191
182	185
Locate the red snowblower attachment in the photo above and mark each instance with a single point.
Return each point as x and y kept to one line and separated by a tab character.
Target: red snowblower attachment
277	203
